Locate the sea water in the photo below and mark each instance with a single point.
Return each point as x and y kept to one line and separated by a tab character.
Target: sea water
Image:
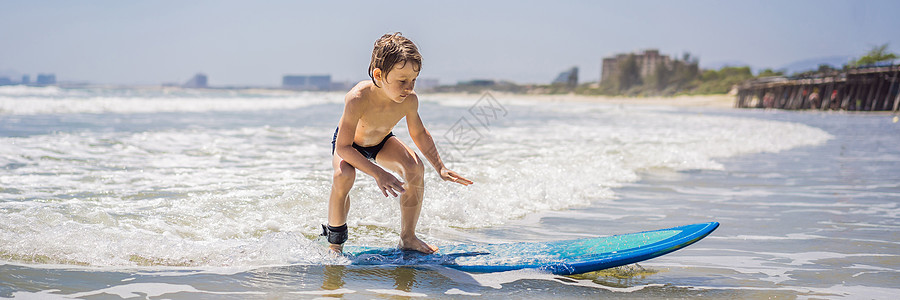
220	193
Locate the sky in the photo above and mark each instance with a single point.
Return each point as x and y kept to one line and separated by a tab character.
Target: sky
257	42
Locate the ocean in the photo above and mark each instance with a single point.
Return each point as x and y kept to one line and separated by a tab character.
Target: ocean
194	194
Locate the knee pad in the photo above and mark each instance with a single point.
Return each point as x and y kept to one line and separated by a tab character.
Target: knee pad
336	235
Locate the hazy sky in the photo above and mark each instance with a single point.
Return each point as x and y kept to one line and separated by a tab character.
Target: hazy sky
256	42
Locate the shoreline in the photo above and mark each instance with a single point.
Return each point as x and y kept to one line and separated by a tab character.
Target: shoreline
715	101
712	101
721	101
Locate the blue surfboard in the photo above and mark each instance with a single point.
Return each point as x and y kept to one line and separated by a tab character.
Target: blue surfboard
558	257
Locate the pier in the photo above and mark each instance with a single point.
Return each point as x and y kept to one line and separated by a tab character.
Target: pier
856	89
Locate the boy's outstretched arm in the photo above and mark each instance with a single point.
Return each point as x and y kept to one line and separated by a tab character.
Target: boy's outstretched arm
425	142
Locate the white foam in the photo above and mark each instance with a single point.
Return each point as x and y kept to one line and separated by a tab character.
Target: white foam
149	290
745	264
790	236
455	291
776	267
32	101
809	258
23	90
496	280
856	292
340	291
841	291
136	289
40	295
252	196
397	293
875	269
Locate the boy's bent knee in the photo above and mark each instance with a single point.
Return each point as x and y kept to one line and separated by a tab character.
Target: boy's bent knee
345	174
414	169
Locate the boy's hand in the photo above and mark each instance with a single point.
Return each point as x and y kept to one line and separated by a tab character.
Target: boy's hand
449	175
387	183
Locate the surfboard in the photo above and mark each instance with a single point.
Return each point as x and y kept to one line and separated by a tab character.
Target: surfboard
558	257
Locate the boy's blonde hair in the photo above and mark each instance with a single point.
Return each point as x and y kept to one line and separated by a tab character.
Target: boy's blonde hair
390	50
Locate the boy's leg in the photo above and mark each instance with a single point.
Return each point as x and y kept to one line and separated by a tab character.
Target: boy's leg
397	157
339	201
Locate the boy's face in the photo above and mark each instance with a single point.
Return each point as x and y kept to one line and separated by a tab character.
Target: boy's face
400	81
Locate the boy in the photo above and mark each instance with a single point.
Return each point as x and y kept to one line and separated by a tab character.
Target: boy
371	110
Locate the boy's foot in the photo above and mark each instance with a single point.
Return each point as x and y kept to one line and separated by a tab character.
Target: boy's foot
336	248
415	244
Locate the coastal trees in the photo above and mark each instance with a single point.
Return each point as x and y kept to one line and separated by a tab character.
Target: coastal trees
770	73
721	81
876	55
684	73
660	78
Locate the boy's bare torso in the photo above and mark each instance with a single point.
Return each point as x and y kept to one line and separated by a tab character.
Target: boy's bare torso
379	116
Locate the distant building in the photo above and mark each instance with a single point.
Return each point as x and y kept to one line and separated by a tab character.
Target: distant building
46	79
568	78
322	82
5	81
198	81
26	79
293	81
647	62
307	82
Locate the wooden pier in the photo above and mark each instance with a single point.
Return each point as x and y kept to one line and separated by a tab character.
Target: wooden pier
858	89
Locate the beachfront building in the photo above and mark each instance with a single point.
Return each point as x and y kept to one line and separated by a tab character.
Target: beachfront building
568	78
646	61
199	81
307	82
46	79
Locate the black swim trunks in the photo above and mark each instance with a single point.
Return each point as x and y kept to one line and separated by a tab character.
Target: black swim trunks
368	152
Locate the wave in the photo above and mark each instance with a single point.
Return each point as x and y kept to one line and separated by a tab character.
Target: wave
256	195
24	100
